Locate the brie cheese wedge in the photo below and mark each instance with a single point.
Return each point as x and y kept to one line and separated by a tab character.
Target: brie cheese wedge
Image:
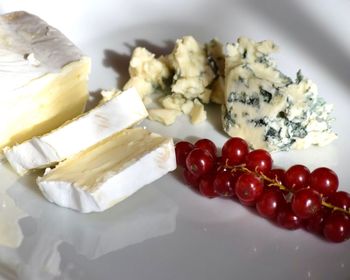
119	112
110	171
43	78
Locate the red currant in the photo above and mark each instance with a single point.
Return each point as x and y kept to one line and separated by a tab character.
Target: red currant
315	224
287	219
337	227
306	203
270	202
224	183
340	199
259	161
249	188
199	162
191	179
324	180
182	149
234	151
276	174
296	177
208	145
206	187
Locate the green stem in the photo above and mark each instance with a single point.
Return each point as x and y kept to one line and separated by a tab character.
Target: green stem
276	183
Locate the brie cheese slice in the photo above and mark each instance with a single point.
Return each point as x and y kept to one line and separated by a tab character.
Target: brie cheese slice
110	171
43	78
119	112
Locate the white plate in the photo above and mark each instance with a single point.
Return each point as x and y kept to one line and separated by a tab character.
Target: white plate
166	231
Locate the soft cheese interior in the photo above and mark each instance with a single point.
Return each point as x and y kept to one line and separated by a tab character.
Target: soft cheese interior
119	110
43	78
267	108
110	171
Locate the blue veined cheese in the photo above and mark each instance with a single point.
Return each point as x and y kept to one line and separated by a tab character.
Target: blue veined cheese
146	72
216	58
193	73
185	75
267	108
191	80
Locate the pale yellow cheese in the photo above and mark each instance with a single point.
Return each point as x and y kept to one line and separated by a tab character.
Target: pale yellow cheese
43	78
44	104
164	116
92	166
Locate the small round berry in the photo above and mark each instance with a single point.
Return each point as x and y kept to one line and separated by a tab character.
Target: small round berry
337	227
270	202
206	187
249	188
287	219
315	224
340	199
199	162
182	149
208	145
224	183
276	174
324	180
234	151
306	203
191	179
259	161
296	177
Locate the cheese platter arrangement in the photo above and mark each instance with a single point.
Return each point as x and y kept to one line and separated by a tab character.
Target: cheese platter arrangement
191	149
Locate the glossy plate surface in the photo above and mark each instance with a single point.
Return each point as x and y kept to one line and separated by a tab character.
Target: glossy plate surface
166	231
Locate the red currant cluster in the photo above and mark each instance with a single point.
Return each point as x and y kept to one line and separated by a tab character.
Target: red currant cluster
293	198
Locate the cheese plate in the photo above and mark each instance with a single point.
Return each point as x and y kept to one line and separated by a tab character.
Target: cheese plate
166	230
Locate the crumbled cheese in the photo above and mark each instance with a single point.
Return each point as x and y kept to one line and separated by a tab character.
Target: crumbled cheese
173	101
198	114
186	108
165	116
184	75
143	87
146	72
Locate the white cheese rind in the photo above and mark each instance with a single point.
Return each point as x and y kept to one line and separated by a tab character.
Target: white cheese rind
111	186
30	48
43	78
117	113
267	108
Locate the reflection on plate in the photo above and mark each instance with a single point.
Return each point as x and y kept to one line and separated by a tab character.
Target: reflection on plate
213	239
10	214
92	236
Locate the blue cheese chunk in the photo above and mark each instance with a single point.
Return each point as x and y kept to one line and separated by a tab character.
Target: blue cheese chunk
216	58
192	70
267	108
147	73
184	75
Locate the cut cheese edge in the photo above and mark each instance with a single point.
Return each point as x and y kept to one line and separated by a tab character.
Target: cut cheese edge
43	78
107	173
117	113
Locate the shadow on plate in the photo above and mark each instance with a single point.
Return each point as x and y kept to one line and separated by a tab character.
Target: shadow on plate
94	98
119	62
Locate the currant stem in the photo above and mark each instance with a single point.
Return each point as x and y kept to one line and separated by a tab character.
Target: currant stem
335	208
276	183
